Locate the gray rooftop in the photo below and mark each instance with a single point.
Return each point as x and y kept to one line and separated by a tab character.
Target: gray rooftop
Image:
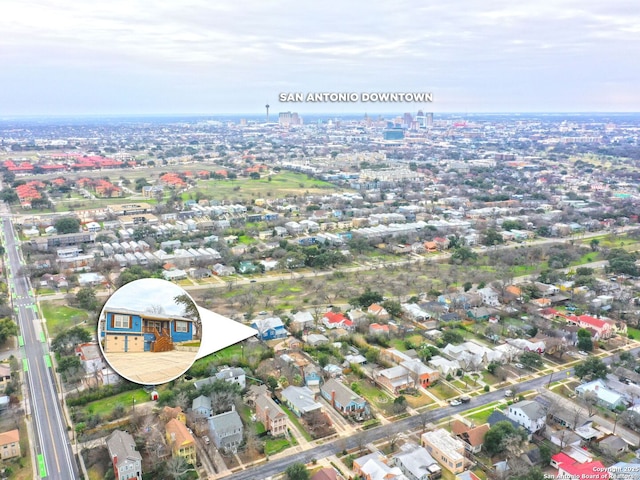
122	445
226	422
531	409
344	395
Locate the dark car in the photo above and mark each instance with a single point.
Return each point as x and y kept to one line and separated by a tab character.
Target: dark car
465	399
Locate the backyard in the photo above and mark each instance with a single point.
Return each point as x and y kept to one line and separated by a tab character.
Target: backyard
61	317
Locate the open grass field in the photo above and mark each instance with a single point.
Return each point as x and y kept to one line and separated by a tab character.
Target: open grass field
106	405
62	317
279	185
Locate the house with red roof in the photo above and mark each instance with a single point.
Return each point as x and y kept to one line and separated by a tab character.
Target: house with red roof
378	329
172	180
378	311
333	320
601	327
581	471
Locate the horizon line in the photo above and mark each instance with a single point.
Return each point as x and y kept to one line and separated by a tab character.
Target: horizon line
262	114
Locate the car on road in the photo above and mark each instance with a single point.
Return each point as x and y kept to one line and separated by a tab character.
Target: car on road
465	399
518	365
455	402
508	393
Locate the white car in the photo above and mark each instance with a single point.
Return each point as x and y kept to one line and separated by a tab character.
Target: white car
455	402
508	393
583	353
518	365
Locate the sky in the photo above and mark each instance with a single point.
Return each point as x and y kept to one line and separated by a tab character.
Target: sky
64	57
142	294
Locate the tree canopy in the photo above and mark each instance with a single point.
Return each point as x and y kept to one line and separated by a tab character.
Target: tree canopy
67	225
591	368
368	298
297	471
87	299
8	328
497	437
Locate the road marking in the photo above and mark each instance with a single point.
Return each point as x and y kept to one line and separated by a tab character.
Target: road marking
47	361
48	417
25	365
42	339
42	468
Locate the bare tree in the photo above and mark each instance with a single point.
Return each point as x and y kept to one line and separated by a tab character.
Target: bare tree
177	467
157	309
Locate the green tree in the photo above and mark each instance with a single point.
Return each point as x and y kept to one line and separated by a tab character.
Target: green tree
451	336
584	340
497	437
68	364
8	328
67	225
492	237
190	308
467	286
65	342
272	383
463	255
399	404
591	368
87	299
531	359
297	471
368	298
392	307
594	244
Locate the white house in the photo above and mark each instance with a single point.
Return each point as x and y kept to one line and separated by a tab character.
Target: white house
489	296
529	414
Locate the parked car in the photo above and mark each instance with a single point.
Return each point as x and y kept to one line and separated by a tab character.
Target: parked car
583	353
455	402
465	399
518	365
508	393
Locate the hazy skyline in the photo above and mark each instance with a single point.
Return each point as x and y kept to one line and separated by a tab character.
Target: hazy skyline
136	57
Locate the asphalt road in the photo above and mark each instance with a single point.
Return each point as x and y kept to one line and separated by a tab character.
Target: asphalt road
54	457
274	467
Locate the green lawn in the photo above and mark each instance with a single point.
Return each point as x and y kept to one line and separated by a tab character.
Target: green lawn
275	445
296	421
106	405
443	391
633	332
62	317
480	417
374	395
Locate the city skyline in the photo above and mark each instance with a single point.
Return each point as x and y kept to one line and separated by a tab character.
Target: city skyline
64	58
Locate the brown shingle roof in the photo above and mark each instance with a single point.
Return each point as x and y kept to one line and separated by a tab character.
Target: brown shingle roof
181	435
9	437
474	436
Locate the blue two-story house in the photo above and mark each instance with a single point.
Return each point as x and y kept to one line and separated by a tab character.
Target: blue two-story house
270	328
345	400
130	331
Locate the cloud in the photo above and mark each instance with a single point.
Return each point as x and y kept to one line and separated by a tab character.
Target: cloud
227	53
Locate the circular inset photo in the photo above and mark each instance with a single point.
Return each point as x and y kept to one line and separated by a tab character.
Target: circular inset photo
150	331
